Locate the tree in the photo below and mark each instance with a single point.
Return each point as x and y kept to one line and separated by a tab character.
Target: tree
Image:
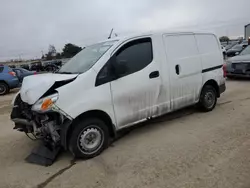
51	52
224	39
70	50
58	56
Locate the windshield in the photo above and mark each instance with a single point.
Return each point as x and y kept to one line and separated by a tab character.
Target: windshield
237	47
24	70
246	51
230	46
85	59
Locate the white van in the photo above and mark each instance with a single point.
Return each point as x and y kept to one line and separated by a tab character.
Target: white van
118	83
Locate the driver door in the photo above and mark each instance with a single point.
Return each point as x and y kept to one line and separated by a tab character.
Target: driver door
136	89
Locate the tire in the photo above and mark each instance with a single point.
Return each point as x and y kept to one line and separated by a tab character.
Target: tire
89	130
208	98
4	88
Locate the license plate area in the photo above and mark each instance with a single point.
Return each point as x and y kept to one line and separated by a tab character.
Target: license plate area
240	66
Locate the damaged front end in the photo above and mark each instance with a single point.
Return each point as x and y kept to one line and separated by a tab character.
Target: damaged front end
42	120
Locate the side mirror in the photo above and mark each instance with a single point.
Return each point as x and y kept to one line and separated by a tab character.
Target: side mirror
119	66
237	53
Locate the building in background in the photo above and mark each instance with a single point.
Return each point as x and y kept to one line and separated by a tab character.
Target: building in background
247	31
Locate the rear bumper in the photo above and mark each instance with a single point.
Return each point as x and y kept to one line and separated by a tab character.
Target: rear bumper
222	88
14	83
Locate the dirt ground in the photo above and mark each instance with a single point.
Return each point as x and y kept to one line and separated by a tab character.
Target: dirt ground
184	149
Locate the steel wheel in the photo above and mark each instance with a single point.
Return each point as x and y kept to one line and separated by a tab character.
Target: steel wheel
90	140
208	98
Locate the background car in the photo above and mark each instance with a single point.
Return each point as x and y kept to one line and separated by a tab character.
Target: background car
25	66
244	43
8	79
12	66
239	66
51	66
36	66
232	44
21	73
235	50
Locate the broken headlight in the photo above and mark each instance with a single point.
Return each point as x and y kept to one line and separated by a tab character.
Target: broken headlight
45	104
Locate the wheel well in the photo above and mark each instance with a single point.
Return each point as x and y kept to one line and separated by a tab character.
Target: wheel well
2	81
214	84
94	114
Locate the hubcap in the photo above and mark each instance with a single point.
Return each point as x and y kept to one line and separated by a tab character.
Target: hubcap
209	99
2	89
90	140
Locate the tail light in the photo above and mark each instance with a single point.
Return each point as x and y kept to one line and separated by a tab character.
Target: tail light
224	70
35	73
12	73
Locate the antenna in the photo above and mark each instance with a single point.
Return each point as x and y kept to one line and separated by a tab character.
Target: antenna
110	33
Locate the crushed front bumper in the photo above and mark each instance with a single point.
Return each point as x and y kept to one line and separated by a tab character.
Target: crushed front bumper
51	128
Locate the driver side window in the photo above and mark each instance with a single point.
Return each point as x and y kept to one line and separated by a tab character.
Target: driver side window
134	56
130	58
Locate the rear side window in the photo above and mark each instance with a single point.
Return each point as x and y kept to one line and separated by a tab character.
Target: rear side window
135	55
1	69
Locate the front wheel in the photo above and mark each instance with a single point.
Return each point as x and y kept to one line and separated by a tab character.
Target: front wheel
208	98
89	138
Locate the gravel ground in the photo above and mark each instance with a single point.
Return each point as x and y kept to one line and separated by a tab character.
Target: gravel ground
184	149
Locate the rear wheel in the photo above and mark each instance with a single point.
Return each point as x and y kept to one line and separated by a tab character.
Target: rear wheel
208	98
4	88
89	138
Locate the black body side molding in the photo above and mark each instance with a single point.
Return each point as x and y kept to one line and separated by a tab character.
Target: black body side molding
211	68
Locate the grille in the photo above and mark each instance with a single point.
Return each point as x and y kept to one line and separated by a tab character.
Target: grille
241	66
22	109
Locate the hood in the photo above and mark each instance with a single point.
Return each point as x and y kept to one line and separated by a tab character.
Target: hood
240	58
34	87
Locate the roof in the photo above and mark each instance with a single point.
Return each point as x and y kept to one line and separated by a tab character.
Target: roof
247	25
157	32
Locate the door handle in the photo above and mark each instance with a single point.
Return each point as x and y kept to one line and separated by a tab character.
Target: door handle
177	69
154	74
